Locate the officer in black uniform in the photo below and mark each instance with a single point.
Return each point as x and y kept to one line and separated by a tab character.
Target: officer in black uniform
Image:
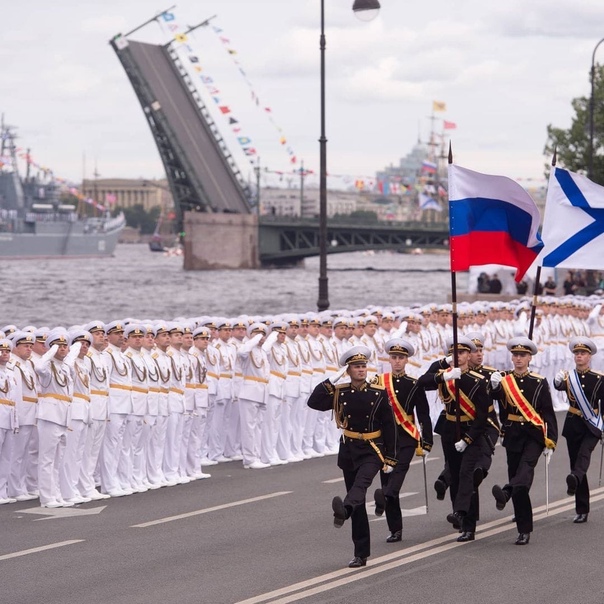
493	431
528	430
368	441
462	432
583	424
405	397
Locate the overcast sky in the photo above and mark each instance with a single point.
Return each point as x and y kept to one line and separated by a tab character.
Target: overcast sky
505	70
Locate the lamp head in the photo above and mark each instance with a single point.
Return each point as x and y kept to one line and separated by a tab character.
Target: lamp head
366	10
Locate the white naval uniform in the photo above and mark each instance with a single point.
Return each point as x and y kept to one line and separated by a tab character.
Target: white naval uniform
10	393
54	418
292	400
190	387
176	409
200	414
132	468
120	407
278	366
313	444
75	440
157	443
252	398
300	411
23	478
150	423
220	423
212	359
98	372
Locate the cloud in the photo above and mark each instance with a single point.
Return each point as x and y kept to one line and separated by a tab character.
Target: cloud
108	25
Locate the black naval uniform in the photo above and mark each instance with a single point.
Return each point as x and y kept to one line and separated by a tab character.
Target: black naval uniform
525	442
493	430
412	398
581	436
462	465
359	411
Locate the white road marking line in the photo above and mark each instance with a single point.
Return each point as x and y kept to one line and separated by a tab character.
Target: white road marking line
413	553
54	513
42	548
413	463
208	510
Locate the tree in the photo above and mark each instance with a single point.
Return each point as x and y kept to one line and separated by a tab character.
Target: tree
572	145
138	218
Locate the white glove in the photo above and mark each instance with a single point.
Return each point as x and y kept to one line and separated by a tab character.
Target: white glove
449	359
496	378
559	377
48	356
547	453
461	446
272	338
74	351
593	315
452	374
387	469
256	338
338	376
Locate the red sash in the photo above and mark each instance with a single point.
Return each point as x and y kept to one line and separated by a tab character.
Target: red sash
466	405
402	418
516	397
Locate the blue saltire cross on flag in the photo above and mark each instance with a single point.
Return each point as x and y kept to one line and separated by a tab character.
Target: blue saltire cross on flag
573	227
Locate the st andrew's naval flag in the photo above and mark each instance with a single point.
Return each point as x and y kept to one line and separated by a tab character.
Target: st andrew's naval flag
492	220
573	227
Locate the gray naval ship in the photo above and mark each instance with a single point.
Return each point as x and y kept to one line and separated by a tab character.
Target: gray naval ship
33	221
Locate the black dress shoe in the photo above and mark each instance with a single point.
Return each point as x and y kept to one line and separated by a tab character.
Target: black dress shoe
523	538
340	513
580	518
466	536
455	518
478	476
380	502
571	484
394	537
357	562
441	488
501	497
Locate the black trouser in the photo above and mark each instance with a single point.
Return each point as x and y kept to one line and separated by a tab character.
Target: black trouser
391	486
357	482
580	448
463	493
521	471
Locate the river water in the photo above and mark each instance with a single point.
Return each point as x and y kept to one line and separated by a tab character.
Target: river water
138	283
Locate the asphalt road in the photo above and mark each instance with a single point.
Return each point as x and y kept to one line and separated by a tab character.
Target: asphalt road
267	536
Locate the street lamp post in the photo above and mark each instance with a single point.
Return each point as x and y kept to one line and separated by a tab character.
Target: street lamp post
365	10
591	111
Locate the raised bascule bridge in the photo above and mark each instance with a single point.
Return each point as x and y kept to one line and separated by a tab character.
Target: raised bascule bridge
214	205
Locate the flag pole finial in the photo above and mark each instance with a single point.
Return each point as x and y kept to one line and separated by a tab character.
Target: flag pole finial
555	157
450	153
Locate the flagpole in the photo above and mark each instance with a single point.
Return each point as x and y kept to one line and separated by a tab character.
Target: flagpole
537	279
454	314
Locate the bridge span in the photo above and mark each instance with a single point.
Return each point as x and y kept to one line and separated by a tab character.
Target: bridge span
285	241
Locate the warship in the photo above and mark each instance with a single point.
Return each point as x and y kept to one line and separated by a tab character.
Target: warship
33	221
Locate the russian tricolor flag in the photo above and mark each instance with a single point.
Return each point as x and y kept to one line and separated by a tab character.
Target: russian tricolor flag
492	220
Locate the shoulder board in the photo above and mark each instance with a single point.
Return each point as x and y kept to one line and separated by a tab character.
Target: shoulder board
378	386
536	375
128	354
378	381
108	350
89	354
476	374
154	355
598	373
217	345
17	364
489	368
170	352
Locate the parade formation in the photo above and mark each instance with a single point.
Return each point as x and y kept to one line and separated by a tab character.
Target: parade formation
102	410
